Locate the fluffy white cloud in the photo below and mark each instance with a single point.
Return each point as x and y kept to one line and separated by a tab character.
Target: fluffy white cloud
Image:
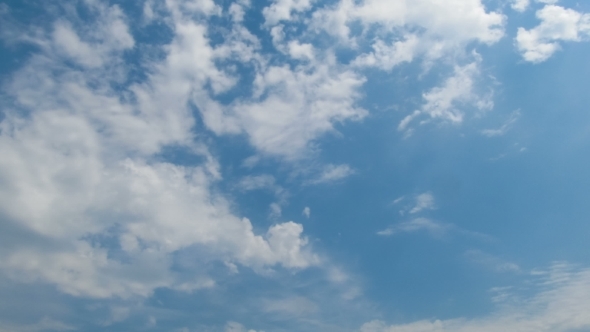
557	24
78	167
282	9
520	5
428	27
558	306
292	108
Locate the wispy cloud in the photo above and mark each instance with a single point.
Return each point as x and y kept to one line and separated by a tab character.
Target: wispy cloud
560	304
434	228
306	212
557	24
504	128
424	201
332	173
417	225
491	262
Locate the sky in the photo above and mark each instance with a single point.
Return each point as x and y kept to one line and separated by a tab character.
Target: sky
294	165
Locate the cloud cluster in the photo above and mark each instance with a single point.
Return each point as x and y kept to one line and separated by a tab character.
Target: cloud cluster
557	24
94	210
406	30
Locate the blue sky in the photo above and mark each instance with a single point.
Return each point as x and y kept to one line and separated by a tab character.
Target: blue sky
294	165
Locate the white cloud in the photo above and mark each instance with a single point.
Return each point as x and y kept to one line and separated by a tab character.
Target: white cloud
80	166
559	305
520	5
332	173
434	228
281	10
439	28
275	211
310	101
306	212
386	56
557	24
424	201
504	128
445	102
257	182
491	262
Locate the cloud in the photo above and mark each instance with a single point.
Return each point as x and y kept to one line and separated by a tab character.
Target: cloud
520	5
491	262
306	212
282	9
557	24
275	211
434	228
249	183
310	100
79	170
419	224
333	173
386	57
424	201
504	128
444	102
558	305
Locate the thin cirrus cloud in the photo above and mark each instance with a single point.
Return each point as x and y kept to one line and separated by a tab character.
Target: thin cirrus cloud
504	128
449	101
559	304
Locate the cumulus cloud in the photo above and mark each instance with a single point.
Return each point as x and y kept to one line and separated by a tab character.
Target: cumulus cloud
438	27
491	262
310	102
520	5
557	24
79	169
283	9
559	305
257	182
